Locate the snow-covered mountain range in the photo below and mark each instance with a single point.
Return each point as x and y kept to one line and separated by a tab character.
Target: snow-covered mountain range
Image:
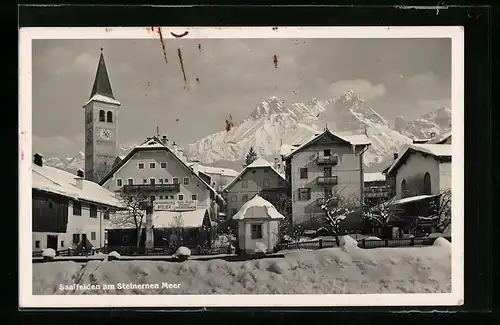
273	122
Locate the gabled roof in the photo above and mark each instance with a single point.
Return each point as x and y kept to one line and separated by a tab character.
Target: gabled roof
257	207
259	163
102	85
440	138
151	144
436	150
215	170
56	181
352	139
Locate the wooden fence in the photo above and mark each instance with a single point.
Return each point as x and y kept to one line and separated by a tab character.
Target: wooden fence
363	243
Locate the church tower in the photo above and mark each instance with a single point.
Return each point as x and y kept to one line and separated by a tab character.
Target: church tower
101	126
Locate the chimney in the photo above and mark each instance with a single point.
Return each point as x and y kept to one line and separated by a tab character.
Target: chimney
164	139
279	168
38	159
196	166
174	148
276	163
79	182
181	155
80	173
395	155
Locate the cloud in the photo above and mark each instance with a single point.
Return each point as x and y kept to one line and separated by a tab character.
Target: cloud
362	87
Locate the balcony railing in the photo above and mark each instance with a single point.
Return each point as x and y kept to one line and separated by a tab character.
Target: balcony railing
327	160
322	201
385	191
152	188
327	180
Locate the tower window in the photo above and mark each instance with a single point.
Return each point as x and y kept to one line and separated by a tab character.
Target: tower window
102	117
110	117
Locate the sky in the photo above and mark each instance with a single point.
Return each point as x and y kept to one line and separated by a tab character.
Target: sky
397	77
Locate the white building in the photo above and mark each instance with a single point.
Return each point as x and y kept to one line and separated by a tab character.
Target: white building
68	210
327	165
423	169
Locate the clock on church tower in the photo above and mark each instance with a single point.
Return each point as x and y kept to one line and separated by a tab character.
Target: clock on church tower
101	125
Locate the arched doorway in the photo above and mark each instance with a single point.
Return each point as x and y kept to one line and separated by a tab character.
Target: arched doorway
427	184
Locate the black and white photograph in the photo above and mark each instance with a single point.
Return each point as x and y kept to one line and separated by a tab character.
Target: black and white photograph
260	166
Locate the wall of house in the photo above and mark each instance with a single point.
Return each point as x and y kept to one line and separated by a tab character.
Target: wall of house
347	169
413	171
49	213
237	195
445	176
174	169
269	234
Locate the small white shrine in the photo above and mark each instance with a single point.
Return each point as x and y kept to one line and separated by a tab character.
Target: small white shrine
258	225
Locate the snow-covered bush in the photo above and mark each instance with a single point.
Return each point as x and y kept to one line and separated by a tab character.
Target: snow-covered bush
113	256
182	253
373	238
260	248
48	254
442	242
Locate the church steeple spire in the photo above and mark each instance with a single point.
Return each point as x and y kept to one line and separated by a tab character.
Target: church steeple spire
102	85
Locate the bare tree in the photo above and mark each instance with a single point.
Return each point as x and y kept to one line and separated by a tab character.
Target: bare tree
338	207
383	214
177	226
440	211
133	215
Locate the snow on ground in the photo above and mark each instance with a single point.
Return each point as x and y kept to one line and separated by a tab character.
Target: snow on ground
332	270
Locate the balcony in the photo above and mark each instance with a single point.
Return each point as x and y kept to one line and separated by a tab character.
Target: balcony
384	191
327	160
151	188
321	201
327	180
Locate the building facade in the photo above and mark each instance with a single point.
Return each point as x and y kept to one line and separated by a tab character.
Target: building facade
68	211
325	166
217	177
423	169
101	127
152	171
260	177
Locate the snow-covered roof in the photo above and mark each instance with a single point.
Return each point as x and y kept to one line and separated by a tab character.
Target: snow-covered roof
258	163
216	170
57	181
257	207
436	150
151	143
414	198
374	177
103	99
287	149
440	137
184	219
353	139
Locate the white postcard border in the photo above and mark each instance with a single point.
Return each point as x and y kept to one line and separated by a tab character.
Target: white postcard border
26	297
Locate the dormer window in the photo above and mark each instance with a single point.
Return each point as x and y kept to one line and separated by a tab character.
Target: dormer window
327	153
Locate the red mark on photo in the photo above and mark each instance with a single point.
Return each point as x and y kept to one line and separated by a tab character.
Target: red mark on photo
160	34
275	60
22	155
182	67
179	35
275	28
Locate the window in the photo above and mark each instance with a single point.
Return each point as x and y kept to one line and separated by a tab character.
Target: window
304	194
256	231
109	117
327	153
130	181
37	244
181	197
125	239
106	214
152	181
152	198
152	165
140	165
76	238
244	184
92	235
77	208
165	180
163	165
327	171
267	182
404	191
175	180
303	173
102	116
119	182
93	211
427	184
186	181
194	197
234	198
51	205
160	180
171	197
144	181
244	198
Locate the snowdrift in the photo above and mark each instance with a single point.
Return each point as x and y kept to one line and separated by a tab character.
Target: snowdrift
327	271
